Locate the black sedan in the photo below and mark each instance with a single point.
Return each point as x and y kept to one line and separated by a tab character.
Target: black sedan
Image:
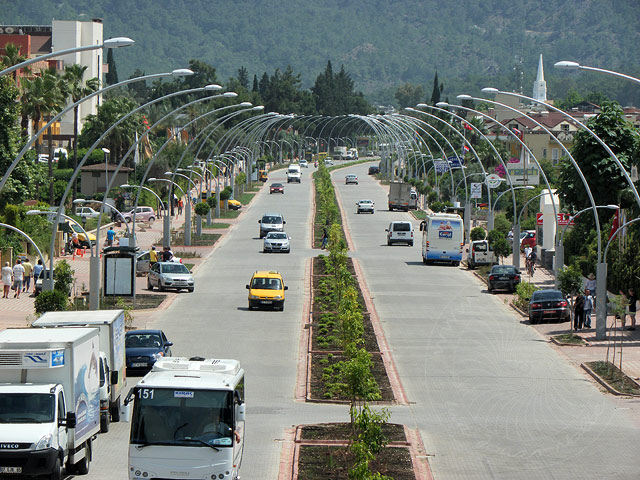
373	169
504	277
144	347
548	305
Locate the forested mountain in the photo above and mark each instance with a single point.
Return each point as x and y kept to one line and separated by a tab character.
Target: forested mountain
382	43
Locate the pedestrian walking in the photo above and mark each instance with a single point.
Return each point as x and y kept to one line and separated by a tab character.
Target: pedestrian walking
7	273
578	312
180	206
37	270
325	238
18	278
111	235
153	256
28	271
588	307
632	300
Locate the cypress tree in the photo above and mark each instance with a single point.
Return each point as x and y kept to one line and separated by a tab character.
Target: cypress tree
112	75
255	84
437	88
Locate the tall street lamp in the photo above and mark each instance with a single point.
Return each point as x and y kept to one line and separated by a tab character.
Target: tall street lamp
133	221
567	65
82	201
166	227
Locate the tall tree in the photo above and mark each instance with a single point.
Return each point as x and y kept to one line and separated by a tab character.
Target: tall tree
409	95
112	75
243	77
255	87
11	57
263	87
437	90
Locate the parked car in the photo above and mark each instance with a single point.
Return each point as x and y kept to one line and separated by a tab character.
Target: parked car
87	243
480	253
351	178
277	242
374	169
143	264
328	161
142	214
504	277
232	204
363	206
400	232
266	289
163	275
548	305
87	212
271	222
276	188
528	237
144	347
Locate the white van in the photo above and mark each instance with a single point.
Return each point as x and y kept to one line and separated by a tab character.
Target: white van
293	173
442	238
400	232
479	253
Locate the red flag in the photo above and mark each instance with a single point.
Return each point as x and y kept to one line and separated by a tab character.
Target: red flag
465	149
467	126
616	224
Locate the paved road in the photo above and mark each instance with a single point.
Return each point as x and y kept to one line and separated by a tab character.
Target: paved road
214	322
491	398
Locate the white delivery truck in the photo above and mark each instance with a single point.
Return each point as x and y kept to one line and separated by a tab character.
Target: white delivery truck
49	400
110	324
399	196
442	238
340	152
293	173
188	420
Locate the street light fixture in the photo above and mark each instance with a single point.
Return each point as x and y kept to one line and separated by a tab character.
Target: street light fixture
82	201
572	66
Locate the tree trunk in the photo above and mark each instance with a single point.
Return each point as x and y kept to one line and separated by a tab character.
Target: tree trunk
51	180
75	151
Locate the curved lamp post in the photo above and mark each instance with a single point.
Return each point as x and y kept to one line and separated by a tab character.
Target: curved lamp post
162	205
47	282
83	201
567	65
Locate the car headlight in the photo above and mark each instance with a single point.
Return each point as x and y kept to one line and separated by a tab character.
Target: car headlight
253	297
278	297
158	355
44	442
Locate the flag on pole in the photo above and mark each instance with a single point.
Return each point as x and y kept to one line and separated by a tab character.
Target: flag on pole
467	126
616	224
465	149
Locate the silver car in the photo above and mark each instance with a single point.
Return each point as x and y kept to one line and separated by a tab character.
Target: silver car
164	275
365	206
277	242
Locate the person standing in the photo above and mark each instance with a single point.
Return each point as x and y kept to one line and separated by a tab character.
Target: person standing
578	313
632	298
18	278
325	238
37	270
111	235
28	270
588	307
6	279
180	206
590	284
153	256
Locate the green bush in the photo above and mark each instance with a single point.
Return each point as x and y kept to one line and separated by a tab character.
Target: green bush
524	291
501	223
478	233
202	208
63	277
51	301
225	194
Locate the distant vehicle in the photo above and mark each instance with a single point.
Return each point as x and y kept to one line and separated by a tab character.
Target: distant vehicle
87	212
413	199
266	289
277	242
276	188
232	204
164	275
143	264
144	348
369	153
43	158
262	175
442	238
400	232
304	163
363	206
294	174
504	277
480	254
399	196
374	169
271	222
548	305
59	153
528	237
87	243
340	152
142	214
351	179
328	161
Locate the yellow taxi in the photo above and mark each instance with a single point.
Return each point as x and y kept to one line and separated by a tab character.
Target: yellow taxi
233	204
75	228
266	289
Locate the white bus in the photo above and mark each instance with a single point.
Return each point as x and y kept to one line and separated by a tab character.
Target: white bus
442	238
188	420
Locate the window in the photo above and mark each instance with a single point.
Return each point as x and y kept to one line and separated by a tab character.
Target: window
564	127
62	410
555	156
544	153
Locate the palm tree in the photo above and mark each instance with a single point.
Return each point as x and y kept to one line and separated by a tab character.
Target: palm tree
78	89
43	96
9	59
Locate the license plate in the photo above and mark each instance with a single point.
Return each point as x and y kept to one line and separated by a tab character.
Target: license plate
549	312
10	469
503	278
138	365
401	234
266	302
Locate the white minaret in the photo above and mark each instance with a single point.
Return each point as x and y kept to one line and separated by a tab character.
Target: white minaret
540	86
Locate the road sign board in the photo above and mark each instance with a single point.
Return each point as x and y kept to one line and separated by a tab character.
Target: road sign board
563	219
476	190
493	180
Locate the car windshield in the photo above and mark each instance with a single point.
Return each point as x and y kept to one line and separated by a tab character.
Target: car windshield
545	295
26	408
76	228
401	227
277	235
481	247
147	340
263	283
365	202
501	269
193	418
271	219
173	268
276	184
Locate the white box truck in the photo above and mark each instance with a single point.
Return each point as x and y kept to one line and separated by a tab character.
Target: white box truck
188	420
340	152
49	400
294	173
110	324
399	196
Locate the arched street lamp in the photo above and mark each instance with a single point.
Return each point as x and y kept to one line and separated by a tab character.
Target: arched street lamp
47	283
82	201
567	65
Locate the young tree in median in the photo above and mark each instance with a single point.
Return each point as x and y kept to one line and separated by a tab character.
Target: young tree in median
570	284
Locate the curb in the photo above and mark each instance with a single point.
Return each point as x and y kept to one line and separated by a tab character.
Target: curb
608	387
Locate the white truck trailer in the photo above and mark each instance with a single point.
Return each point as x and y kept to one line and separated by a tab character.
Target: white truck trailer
188	420
49	400
399	196
110	324
340	152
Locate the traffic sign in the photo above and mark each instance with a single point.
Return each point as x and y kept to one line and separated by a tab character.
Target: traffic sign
476	190
493	180
563	219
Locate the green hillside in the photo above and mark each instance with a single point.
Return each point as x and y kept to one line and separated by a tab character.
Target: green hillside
381	43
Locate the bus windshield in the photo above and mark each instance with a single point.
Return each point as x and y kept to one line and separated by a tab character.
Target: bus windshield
194	418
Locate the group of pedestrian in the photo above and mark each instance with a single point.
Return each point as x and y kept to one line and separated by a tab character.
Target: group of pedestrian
18	277
167	254
631	300
582	308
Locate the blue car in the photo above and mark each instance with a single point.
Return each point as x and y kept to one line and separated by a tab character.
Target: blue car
144	347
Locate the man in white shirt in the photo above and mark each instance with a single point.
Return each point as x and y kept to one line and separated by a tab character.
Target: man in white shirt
18	278
527	251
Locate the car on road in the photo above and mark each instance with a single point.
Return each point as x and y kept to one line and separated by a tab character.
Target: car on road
504	277
400	232
144	347
143	261
141	214
266	289
277	242
351	179
369	153
304	164
548	304
328	161
276	188
75	228
165	275
374	169
271	222
365	206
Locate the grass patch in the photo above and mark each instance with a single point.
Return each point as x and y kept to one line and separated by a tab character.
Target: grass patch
204	240
189	265
614	377
569	338
246	198
143	301
217	225
229	214
419	214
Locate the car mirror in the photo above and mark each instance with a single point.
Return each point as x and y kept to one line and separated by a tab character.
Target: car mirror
247	287
467	250
168	344
259	221
114	377
69	421
286	287
283	222
125	413
240	413
386	229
